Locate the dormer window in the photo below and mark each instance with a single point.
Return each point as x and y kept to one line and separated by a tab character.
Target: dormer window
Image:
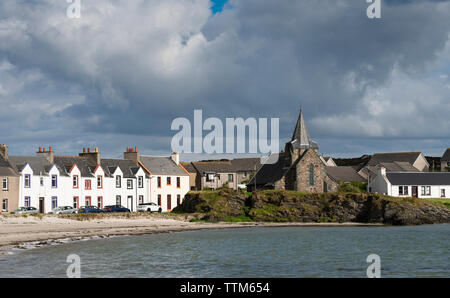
75	181
99	182
27	181
54	181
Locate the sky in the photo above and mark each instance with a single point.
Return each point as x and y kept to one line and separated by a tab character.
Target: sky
119	75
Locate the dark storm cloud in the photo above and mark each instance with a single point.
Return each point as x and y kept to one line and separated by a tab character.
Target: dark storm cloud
126	69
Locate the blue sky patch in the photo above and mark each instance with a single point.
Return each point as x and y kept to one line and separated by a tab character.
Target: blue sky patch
218	5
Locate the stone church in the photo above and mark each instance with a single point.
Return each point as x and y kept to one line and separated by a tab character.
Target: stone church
299	167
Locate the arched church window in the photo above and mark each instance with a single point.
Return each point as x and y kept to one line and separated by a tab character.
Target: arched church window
311	175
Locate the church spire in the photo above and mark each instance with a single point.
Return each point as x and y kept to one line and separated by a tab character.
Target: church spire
300	138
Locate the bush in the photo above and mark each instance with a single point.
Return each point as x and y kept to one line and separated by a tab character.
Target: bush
353	187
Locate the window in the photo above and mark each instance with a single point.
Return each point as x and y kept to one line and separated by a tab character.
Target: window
75	202
403	190
130	184
178	200
27	201
426	190
169	202
311	175
118	181
5	205
88	184
178	182
75	181
5	184
100	202
27	181
54	202
230	177
99	182
118	200
141	199
169	181
54	181
141	182
159	182
209	177
88	201
159	200
42	181
442	193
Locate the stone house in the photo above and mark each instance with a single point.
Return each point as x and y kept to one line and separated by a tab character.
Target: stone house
299	167
215	174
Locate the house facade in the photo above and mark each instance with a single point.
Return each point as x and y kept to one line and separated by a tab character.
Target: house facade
445	161
168	180
410	184
9	178
215	175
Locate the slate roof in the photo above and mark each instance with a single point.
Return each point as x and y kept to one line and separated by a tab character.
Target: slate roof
38	164
128	167
65	164
214	167
271	171
300	137
357	163
344	174
378	158
246	164
421	178
6	168
161	166
446	156
189	167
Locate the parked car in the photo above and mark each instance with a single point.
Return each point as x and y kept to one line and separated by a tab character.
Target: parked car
89	209
25	210
116	208
149	207
64	210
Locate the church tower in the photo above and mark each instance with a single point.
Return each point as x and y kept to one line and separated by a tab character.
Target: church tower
300	141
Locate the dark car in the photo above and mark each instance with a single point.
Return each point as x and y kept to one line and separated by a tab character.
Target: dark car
89	209
116	208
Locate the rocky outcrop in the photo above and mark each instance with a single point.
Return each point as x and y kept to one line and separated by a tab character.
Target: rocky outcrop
287	206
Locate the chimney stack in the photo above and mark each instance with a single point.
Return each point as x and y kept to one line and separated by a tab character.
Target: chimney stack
383	171
94	156
4	151
49	155
175	157
132	154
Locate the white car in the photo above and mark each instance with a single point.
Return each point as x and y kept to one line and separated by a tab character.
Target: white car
149	207
25	210
64	210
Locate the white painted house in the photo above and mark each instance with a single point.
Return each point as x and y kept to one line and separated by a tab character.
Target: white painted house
48	181
169	181
412	184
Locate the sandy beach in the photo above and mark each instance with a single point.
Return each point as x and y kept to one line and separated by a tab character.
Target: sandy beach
17	232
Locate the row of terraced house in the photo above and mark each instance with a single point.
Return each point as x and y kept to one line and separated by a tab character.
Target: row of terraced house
46	180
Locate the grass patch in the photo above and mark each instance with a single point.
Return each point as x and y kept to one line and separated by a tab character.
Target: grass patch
445	202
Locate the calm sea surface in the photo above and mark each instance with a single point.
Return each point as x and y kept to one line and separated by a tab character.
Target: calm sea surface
417	251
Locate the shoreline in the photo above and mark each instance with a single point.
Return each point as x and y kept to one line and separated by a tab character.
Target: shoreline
24	233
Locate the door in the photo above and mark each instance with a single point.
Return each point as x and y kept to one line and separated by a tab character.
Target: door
130	203
41	205
415	191
169	202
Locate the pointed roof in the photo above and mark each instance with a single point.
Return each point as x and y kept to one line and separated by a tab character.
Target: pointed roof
300	138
